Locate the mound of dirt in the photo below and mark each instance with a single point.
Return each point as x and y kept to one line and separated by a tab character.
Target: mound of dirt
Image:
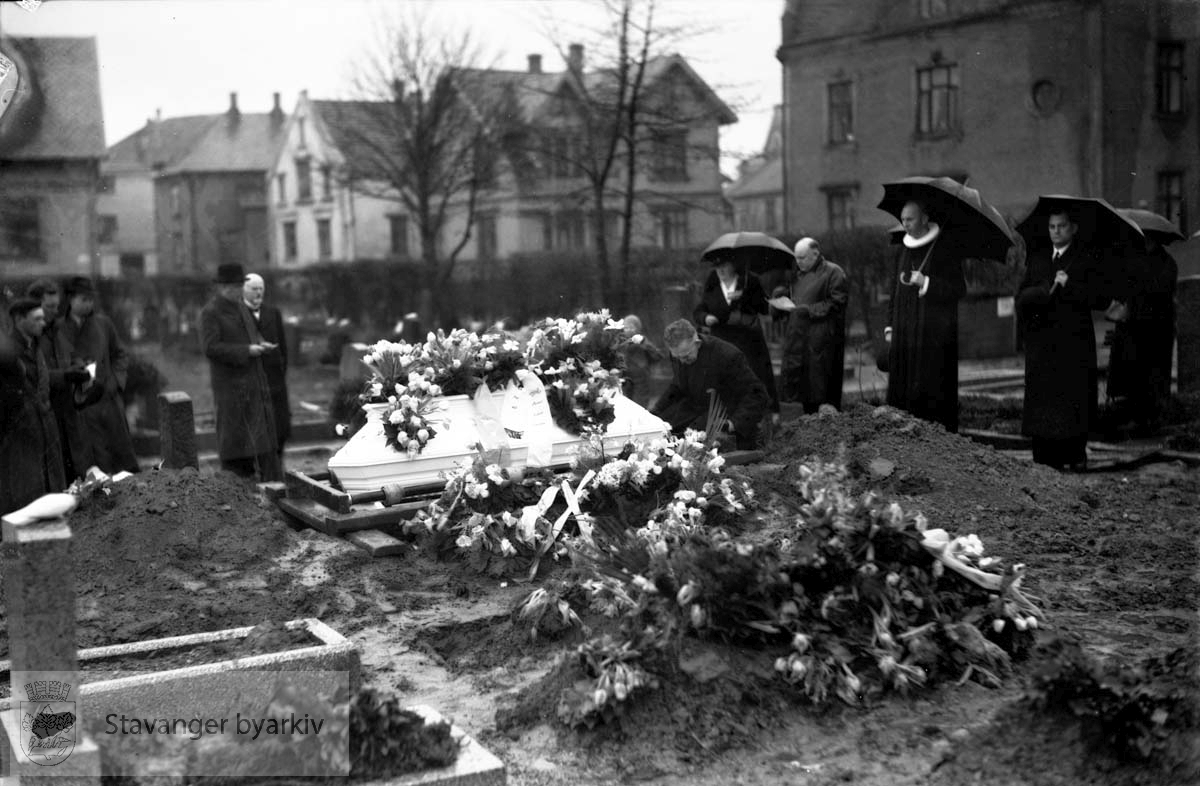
172	552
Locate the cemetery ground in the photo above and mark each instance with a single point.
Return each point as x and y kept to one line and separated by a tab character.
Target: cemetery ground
1111	558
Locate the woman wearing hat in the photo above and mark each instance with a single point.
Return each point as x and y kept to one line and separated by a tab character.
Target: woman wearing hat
730	309
99	436
234	346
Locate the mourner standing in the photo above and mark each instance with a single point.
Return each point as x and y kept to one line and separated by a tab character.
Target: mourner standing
923	332
703	363
814	344
100	434
65	375
246	442
269	322
731	308
1063	284
30	464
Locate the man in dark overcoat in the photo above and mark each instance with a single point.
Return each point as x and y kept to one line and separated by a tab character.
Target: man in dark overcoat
703	363
923	331
814	345
65	376
30	460
246	442
100	434
1063	284
269	321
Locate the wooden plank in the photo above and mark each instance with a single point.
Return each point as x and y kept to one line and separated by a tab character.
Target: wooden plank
273	490
311	513
302	485
379	544
735	457
370	517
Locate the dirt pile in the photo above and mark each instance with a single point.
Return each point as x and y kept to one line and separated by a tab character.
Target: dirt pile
172	552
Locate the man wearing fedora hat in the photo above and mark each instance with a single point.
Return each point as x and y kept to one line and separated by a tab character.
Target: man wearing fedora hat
234	346
99	434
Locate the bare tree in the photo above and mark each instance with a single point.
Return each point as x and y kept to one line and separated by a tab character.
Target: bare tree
419	138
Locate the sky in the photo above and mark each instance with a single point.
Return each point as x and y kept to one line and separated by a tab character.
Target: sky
185	57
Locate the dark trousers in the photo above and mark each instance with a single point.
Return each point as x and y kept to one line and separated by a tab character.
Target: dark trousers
1059	453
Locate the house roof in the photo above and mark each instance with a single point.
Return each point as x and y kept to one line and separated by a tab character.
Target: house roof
234	143
60	116
158	143
356	128
765	179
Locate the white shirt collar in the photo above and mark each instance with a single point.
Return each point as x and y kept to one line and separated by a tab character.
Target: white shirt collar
927	238
1059	251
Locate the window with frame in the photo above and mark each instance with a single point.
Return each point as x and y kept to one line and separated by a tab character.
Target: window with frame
672	227
289	241
398	232
769	223
1168	78
485	229
303	180
281	185
176	201
106	229
840	104
20	229
569	230
324	239
932	9
326	182
561	154
937	100
668	155
840	206
1169	198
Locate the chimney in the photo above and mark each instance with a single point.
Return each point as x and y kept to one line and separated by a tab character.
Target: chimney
232	115
535	64
575	57
276	112
158	115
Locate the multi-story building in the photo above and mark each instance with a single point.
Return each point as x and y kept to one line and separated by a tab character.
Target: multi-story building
210	198
536	200
51	144
1023	97
757	194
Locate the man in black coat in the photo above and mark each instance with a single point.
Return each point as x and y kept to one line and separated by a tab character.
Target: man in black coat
923	331
269	322
234	347
1063	284
703	363
66	375
815	343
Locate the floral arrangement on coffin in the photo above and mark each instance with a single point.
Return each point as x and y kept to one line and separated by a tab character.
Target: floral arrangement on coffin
849	598
407	421
390	363
498	359
580	362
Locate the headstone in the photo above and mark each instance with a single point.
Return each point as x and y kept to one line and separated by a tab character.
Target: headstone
1187	326
39	586
351	364
177	430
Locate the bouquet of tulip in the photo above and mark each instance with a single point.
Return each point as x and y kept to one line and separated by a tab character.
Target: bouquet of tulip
498	359
453	358
407	422
390	363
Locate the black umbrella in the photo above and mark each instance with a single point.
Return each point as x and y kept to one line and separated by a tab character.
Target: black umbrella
1100	224
756	250
955	207
1153	225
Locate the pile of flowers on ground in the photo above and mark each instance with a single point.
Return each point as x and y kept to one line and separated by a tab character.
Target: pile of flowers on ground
578	361
850	598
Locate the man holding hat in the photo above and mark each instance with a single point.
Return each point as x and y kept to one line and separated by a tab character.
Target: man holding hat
99	435
246	440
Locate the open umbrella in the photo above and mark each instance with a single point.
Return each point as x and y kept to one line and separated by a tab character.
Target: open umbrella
1187	255
1100	224
955	207
757	250
1153	225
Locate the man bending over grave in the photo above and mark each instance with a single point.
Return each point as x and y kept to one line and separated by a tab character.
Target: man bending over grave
700	364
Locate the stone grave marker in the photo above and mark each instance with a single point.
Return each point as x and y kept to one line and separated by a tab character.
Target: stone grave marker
177	431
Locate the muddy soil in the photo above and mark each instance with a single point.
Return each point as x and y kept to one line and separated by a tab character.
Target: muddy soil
1111	556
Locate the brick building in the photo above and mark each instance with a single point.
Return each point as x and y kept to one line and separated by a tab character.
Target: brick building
51	144
1023	97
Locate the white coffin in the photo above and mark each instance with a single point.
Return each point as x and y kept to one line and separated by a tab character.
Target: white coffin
366	463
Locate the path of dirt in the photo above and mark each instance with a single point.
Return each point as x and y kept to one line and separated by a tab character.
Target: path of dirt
1113	558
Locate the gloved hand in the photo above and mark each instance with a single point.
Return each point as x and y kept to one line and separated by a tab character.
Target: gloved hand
76	375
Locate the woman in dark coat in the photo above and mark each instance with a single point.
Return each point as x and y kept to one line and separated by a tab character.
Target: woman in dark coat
730	308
